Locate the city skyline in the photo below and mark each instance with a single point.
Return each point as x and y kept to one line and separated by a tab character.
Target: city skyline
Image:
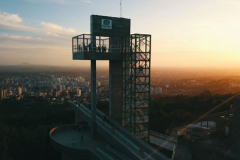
185	33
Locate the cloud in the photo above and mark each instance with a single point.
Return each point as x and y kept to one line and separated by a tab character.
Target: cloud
13	21
55	30
26	42
87	1
10	18
21	39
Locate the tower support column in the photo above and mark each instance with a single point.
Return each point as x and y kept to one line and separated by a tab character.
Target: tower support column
93	99
115	90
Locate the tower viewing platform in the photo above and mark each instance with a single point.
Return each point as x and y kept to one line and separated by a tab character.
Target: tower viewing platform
90	47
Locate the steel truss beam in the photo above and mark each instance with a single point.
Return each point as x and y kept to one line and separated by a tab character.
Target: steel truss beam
136	84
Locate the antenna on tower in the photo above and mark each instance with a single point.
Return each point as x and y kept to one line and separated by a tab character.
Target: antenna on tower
120	8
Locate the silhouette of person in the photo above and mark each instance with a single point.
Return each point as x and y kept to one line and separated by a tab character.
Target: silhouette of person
102	48
84	47
73	142
81	139
99	49
90	47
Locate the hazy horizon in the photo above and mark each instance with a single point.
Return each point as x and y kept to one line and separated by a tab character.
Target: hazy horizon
185	33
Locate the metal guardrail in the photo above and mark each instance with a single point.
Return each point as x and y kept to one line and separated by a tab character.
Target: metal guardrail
104	124
115	152
86	49
165	137
148	156
127	142
105	155
144	144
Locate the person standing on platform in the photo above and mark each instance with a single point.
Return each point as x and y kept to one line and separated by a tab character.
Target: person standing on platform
73	142
81	139
90	47
99	49
102	48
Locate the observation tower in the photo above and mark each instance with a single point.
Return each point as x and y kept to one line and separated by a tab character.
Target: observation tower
129	70
129	57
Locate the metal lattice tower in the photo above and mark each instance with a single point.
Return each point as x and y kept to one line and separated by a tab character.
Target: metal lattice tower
136	84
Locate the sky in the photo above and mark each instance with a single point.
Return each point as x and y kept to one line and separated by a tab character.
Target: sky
185	33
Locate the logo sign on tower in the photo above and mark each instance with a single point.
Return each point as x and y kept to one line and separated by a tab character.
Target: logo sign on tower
106	24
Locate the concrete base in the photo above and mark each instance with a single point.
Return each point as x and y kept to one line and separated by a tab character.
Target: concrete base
115	90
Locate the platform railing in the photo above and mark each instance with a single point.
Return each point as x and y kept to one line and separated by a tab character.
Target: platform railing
104	155
80	48
90	43
143	143
115	152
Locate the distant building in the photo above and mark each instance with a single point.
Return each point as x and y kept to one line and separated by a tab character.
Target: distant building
75	89
9	92
86	83
24	89
57	94
18	98
3	93
59	88
63	87
19	90
79	93
234	85
98	84
5	82
151	90
158	90
66	94
11	82
56	82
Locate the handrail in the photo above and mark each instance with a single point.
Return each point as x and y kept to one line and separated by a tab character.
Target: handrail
128	142
105	155
104	124
95	49
148	156
115	152
165	137
143	143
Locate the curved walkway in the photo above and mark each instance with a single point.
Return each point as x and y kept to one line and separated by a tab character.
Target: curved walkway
135	146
